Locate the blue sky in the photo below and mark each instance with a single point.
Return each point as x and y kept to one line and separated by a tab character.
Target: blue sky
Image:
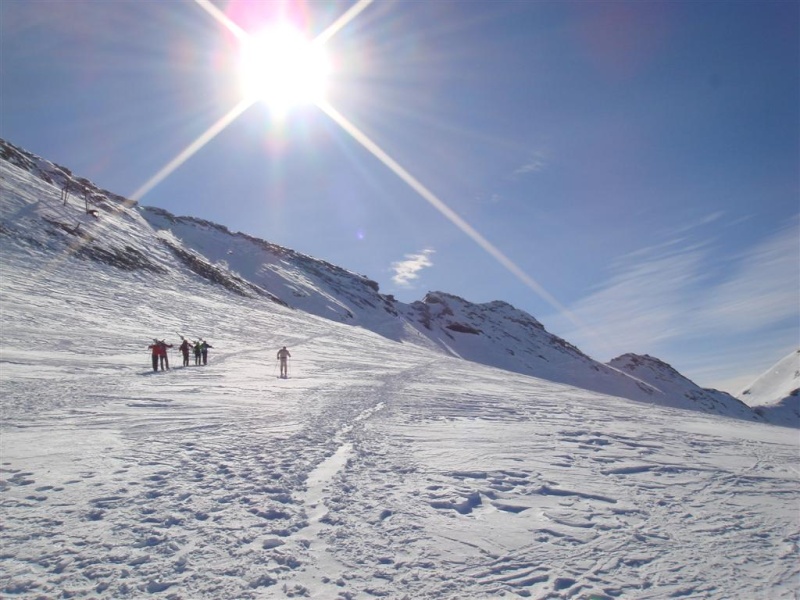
628	169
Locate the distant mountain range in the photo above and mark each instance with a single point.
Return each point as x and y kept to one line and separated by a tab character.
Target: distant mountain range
94	224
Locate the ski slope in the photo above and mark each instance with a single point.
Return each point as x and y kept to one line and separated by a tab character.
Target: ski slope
379	469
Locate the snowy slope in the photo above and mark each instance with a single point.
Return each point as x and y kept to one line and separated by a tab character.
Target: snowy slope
776	394
679	391
494	334
301	281
379	469
502	336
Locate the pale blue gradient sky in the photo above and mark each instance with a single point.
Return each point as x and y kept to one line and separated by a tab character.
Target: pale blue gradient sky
637	160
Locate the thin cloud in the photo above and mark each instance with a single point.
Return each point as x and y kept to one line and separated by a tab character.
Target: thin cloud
700	222
535	164
764	290
405	271
638	305
666	297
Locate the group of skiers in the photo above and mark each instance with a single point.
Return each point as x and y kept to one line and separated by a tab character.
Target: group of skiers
200	347
159	352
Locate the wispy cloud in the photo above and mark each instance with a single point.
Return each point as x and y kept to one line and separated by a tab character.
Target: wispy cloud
701	221
637	306
764	288
670	299
534	164
405	271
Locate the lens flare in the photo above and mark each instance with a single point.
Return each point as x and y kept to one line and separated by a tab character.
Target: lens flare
448	212
283	69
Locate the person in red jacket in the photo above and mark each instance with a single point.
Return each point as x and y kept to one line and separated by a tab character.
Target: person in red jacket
163	354
156	352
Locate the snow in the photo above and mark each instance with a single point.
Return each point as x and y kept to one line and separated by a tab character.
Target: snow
777	383
677	390
776	393
382	468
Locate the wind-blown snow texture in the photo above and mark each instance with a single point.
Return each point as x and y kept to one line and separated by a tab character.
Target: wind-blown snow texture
385	466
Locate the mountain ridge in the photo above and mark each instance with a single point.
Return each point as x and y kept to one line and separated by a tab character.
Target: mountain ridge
150	240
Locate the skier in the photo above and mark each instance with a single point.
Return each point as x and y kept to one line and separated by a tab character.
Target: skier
204	351
163	354
184	348
197	351
283	355
156	352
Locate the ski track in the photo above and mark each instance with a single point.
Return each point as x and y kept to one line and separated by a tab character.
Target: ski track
301	489
573	541
377	470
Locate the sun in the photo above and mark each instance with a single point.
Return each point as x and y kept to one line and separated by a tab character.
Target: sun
282	68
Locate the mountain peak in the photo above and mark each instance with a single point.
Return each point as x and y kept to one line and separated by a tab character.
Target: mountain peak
178	251
636	362
678	390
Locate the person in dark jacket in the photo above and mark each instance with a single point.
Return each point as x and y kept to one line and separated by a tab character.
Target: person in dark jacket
197	352
283	356
184	348
204	351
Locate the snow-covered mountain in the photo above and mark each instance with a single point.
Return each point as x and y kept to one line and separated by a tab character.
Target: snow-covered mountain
775	395
146	239
385	466
677	390
495	333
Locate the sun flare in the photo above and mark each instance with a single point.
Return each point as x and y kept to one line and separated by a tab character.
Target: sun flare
283	69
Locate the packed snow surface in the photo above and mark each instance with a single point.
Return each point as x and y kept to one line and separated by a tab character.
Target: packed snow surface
378	469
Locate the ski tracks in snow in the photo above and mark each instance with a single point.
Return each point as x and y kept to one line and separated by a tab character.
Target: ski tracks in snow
377	470
644	527
200	482
394	479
